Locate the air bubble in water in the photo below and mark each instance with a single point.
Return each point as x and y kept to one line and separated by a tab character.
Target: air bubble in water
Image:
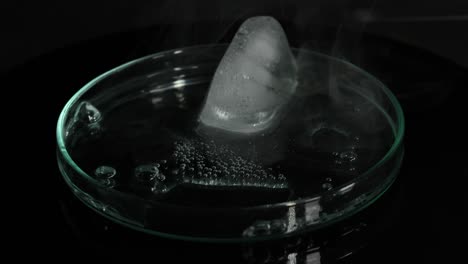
104	172
146	173
327	186
109	183
87	113
159	188
348	156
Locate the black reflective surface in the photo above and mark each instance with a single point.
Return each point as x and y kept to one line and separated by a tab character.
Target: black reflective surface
421	219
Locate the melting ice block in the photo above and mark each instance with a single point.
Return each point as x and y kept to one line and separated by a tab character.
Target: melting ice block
254	80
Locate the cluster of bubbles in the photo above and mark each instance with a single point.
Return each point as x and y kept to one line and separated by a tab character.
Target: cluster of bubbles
327	185
104	175
346	156
150	173
199	162
346	160
196	162
207	163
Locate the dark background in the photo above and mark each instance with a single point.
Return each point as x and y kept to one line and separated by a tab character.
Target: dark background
49	49
32	28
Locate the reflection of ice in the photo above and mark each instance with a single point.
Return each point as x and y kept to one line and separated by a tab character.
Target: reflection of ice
312	210
297	217
292	258
254	80
313	258
292	224
310	215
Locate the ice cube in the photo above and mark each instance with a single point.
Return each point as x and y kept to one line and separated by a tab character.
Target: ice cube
254	80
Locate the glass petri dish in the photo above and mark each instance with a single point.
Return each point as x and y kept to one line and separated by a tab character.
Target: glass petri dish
130	148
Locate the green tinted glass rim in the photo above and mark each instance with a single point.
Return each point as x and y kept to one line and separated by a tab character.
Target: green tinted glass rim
398	126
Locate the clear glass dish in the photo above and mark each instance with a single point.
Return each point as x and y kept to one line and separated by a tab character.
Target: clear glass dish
129	148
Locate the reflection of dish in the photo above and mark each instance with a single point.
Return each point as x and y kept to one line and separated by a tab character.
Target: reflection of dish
275	213
346	240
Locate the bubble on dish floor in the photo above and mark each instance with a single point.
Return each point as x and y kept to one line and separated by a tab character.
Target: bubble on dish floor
146	173
348	156
109	183
104	172
327	186
159	185
87	113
